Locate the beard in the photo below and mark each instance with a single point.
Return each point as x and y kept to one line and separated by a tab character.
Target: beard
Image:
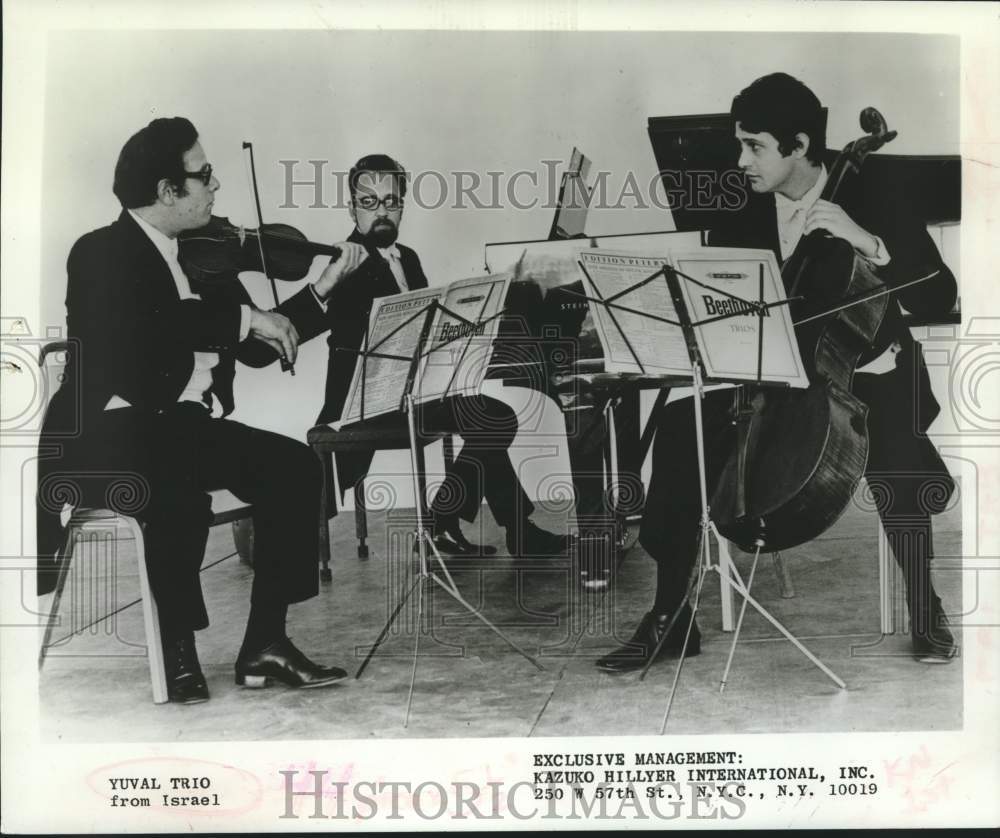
382	233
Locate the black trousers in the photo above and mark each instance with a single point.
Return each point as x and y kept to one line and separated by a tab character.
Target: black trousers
907	480
586	434
174	459
482	468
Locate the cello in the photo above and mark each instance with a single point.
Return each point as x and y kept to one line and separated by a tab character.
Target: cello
800	454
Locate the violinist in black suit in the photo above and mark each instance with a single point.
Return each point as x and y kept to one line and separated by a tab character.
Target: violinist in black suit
147	391
483	468
780	126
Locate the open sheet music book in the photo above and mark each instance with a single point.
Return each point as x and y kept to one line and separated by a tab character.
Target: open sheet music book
446	356
552	266
633	340
460	342
639	309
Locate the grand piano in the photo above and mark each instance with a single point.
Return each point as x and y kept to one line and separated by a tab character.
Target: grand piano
697	158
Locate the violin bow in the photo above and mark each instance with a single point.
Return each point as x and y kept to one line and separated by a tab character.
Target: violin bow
863	298
286	365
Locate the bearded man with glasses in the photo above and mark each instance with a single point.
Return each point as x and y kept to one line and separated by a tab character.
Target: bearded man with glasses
483	468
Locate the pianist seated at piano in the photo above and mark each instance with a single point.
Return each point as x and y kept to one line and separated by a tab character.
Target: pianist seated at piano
487	426
780	126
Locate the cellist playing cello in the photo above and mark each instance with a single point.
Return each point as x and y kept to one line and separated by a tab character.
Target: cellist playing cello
780	125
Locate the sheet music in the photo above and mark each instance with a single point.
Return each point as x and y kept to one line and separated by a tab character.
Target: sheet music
385	378
552	265
729	348
501	256
633	341
459	352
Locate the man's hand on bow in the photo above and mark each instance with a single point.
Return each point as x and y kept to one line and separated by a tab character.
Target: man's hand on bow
276	331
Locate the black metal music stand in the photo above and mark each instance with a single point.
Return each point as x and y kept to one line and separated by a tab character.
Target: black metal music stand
730	578
422	534
725	568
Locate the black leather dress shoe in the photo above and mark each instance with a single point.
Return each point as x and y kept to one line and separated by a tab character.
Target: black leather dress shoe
281	661
185	682
527	539
449	541
638	650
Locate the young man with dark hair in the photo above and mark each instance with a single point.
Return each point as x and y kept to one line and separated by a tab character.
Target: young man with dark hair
487	426
780	126
147	393
783	107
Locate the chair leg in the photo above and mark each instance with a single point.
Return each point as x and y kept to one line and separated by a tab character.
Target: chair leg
886	588
361	518
243	539
784	577
448	450
326	461
422	481
151	618
65	557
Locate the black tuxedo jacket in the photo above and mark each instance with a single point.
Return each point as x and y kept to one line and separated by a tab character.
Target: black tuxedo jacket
348	308
132	336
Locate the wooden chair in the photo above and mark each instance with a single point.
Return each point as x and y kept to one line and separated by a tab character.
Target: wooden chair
100	527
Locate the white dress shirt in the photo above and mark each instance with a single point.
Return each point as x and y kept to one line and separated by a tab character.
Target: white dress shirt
391	255
791	214
201	375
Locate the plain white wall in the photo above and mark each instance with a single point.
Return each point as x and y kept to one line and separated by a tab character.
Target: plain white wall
442	101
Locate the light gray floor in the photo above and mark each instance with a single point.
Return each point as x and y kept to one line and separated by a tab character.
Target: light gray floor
95	685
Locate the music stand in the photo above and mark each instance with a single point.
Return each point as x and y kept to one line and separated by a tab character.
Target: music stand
729	576
612	303
422	534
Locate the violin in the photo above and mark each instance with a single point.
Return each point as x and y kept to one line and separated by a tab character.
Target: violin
800	454
221	247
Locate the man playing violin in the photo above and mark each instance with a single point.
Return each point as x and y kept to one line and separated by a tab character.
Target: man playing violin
781	128
483	468
148	389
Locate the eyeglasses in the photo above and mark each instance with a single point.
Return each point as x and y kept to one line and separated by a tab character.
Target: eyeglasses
204	174
369	202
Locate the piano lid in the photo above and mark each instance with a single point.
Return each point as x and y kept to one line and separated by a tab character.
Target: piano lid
697	158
